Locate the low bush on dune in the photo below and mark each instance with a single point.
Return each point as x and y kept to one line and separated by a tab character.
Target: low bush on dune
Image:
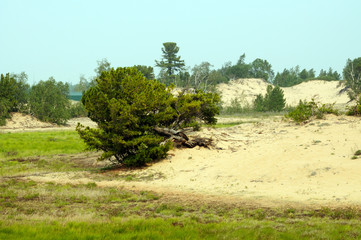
356	109
306	110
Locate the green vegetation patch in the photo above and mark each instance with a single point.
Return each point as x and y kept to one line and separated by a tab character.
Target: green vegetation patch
35	152
304	111
31	210
26	144
229	124
156	228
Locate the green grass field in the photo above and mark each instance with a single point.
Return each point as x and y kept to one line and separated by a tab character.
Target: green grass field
31	152
55	210
28	144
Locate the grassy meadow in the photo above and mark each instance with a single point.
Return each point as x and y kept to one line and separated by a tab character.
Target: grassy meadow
55	210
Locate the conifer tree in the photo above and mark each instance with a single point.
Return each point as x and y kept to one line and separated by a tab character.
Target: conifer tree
170	63
128	108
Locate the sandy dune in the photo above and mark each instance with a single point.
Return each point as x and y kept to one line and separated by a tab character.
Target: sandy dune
248	89
270	161
273	163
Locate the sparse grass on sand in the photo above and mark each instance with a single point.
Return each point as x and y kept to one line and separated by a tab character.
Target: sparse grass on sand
253	114
31	210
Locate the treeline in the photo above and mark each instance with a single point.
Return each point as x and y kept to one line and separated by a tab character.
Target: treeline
46	100
294	76
173	70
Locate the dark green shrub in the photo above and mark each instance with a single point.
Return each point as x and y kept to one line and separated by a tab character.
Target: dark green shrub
77	110
358	153
4	111
127	107
301	113
273	100
259	104
276	100
327	109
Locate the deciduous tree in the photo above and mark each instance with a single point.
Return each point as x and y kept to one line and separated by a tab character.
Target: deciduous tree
13	94
48	101
352	75
261	69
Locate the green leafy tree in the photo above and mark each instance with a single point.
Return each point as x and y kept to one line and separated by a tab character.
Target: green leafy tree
240	70
215	77
198	105
15	90
83	84
171	63
48	101
13	94
184	78
200	75
352	75
127	107
103	65
261	69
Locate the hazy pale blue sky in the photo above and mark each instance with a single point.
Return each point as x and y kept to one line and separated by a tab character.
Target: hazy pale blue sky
65	38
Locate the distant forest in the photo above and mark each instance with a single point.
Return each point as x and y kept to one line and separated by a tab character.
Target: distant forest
202	76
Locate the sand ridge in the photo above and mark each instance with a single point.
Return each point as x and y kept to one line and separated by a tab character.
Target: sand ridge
247	89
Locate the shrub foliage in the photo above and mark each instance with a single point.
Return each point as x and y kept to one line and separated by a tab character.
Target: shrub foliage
13	95
273	100
127	107
352	75
48	101
356	109
306	110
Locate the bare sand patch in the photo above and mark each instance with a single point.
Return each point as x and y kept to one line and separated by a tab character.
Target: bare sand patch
20	122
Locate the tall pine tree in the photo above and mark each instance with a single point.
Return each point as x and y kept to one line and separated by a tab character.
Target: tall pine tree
170	63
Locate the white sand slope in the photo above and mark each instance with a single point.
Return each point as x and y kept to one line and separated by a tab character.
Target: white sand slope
272	161
322	91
